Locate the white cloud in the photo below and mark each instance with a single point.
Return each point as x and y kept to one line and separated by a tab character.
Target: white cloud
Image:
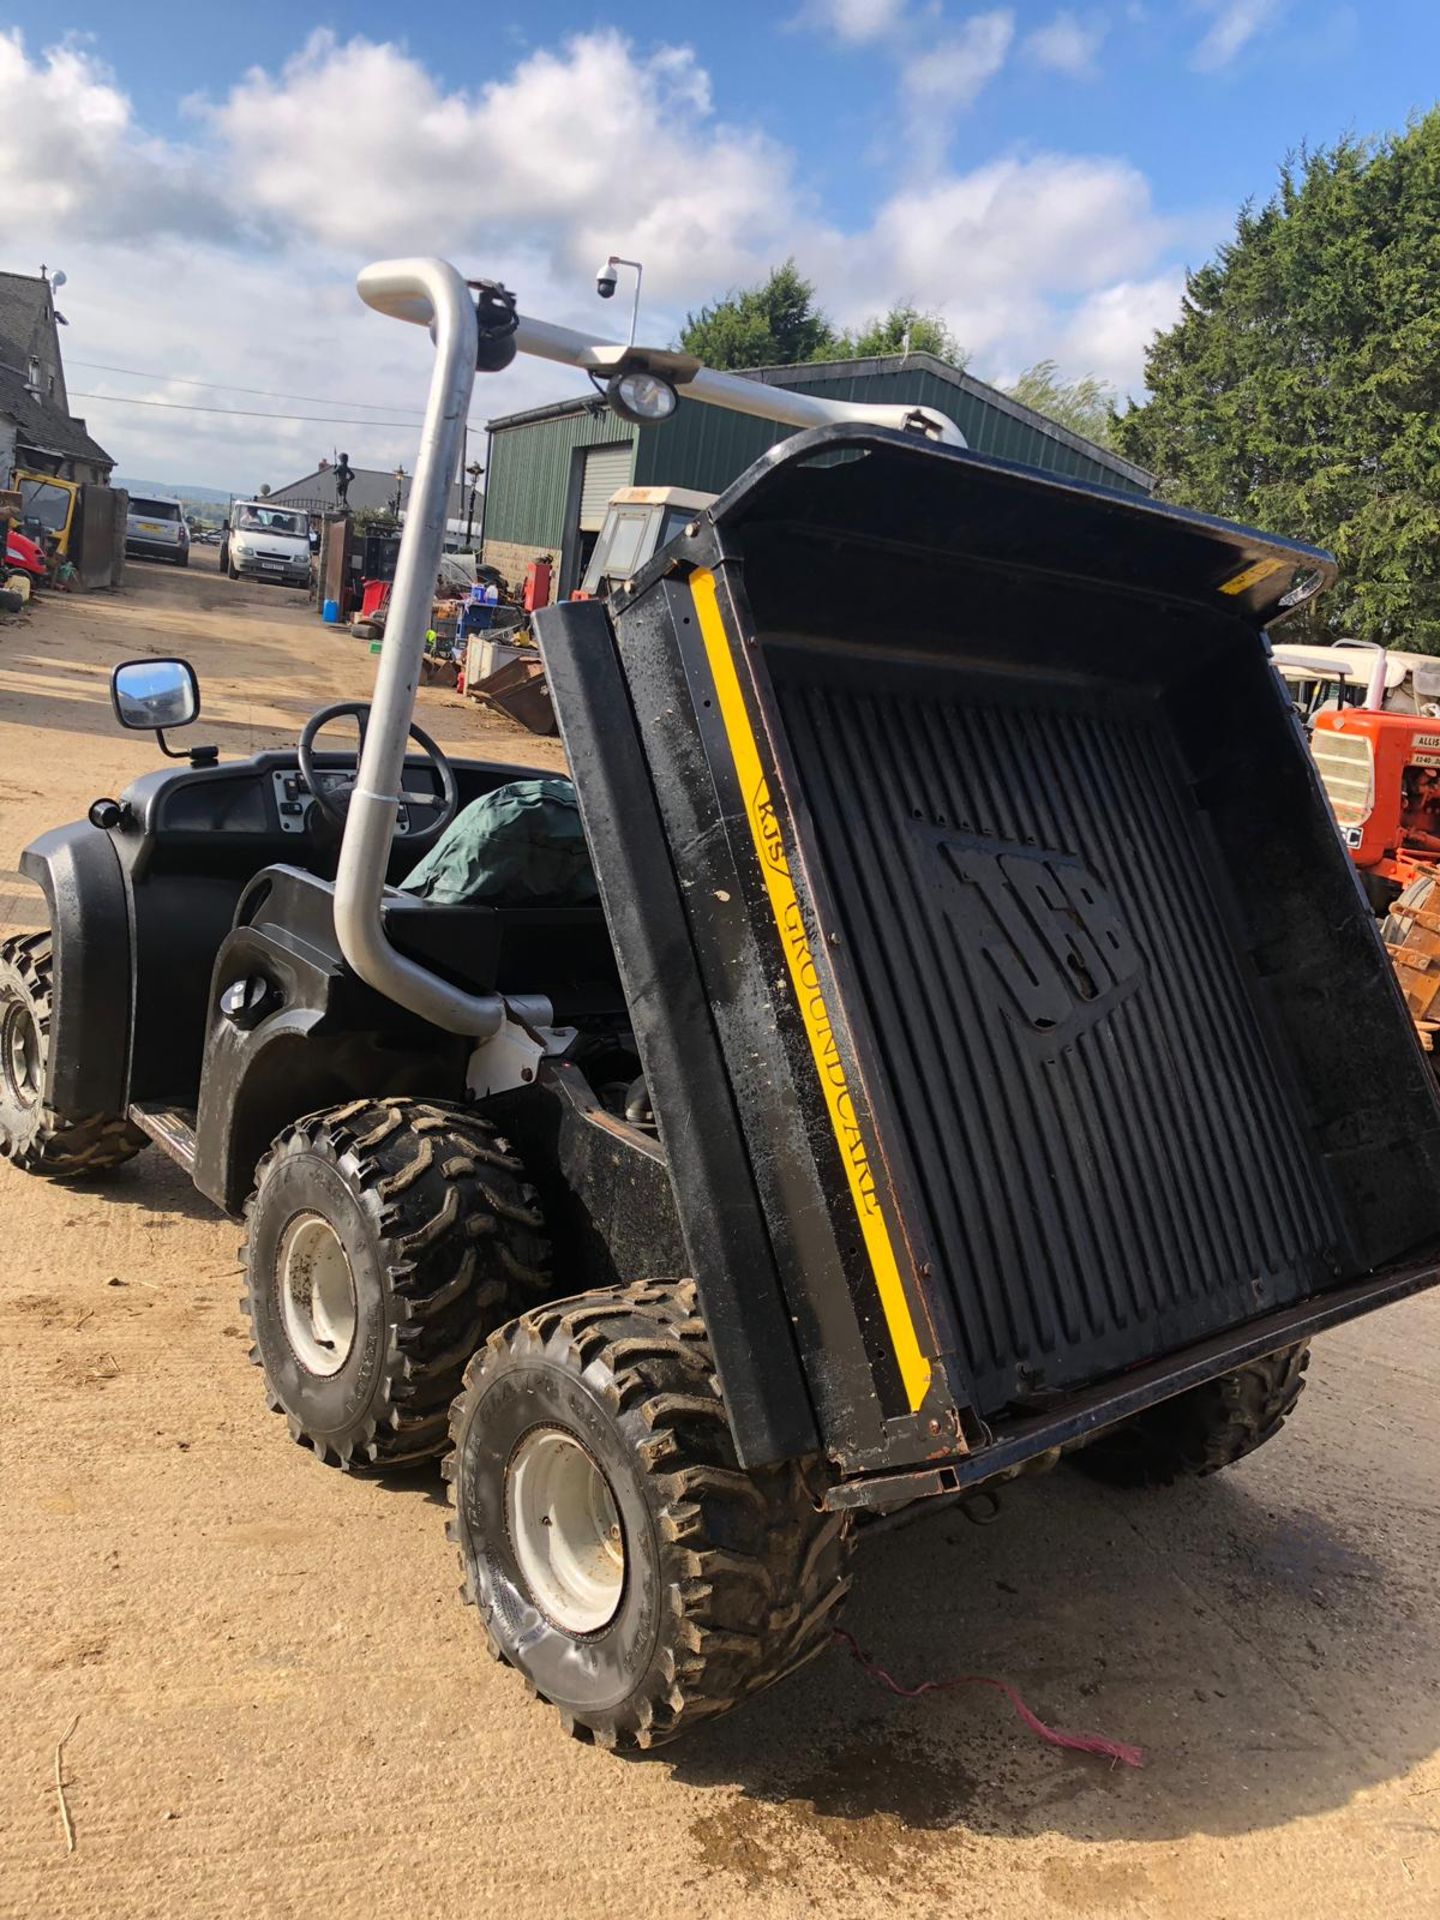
953	71
1234	24
856	23
1067	44
592	148
68	145
232	258
1109	331
994	247
947	77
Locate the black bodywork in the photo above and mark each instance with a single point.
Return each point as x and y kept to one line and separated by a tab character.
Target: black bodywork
201	890
1020	1046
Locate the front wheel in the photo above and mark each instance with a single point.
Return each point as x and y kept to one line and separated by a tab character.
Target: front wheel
33	1136
619	1557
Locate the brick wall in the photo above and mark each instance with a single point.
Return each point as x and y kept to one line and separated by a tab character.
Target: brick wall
512	558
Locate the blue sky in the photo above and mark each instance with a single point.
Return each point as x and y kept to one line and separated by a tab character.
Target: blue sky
1040	173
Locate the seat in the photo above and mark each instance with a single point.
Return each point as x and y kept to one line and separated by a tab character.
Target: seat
561	952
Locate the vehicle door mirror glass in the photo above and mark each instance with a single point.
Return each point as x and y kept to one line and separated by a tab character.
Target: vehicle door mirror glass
153	694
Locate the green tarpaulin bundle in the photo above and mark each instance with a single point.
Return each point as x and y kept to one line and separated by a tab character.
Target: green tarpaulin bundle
520	846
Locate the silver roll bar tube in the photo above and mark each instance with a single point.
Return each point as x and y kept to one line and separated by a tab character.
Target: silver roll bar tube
787	406
431	293
431	289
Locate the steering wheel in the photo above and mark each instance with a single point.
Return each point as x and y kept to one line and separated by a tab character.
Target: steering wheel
332	787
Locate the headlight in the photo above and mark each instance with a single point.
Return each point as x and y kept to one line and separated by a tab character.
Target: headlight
643	398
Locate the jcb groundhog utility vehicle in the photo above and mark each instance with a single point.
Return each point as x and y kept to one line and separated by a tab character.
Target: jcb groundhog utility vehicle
979	1048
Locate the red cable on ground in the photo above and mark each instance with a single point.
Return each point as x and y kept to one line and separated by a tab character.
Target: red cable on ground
1115	1751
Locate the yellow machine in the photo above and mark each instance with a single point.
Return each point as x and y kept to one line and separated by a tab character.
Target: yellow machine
51	502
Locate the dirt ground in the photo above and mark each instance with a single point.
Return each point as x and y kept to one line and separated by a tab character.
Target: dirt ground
280	1706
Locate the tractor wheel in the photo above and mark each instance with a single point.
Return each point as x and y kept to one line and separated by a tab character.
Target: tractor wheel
383	1242
33	1136
636	1576
1203	1429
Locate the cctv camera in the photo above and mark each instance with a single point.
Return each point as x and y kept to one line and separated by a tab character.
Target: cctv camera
605	281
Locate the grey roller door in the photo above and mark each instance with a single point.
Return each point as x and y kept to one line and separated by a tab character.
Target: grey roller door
607	469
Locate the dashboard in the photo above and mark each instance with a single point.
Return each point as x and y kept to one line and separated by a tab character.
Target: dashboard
295	802
265	800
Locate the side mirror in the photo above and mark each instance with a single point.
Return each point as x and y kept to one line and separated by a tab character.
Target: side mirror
155	694
152	694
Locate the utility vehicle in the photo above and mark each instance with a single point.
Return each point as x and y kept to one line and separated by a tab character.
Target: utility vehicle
979	1049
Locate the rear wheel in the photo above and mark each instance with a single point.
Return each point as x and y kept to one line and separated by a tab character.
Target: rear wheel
384	1240
1202	1430
637	1577
33	1136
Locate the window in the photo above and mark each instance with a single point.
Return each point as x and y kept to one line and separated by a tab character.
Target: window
45	502
256	518
1346	764
154	509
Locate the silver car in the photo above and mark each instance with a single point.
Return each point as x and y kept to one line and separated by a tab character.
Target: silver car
156	530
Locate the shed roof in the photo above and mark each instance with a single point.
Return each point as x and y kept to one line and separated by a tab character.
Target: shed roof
816	372
371	491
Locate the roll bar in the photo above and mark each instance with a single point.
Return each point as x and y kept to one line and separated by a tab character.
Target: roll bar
431	293
370	823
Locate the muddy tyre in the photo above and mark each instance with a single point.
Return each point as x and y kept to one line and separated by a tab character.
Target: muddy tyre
33	1136
1203	1430
383	1241
620	1559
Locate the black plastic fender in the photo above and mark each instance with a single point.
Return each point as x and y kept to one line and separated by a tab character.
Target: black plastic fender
87	1068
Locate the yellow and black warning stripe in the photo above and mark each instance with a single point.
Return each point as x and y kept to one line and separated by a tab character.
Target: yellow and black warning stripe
915	1369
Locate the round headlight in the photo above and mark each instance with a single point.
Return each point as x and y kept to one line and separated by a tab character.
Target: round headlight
644	398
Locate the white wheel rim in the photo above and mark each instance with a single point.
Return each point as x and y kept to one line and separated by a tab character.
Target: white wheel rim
565	1529
317	1295
20	1053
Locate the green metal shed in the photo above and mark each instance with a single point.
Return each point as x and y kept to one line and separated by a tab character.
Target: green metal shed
537	498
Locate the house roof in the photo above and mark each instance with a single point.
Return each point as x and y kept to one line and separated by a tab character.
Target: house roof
808	372
41	424
28	331
371	491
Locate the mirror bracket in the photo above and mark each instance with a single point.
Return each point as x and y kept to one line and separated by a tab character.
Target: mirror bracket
197	756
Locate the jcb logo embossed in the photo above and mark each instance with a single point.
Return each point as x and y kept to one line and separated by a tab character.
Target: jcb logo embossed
1042	933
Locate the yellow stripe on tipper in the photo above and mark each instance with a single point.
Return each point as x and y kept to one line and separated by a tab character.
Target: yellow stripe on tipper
1251	576
765	830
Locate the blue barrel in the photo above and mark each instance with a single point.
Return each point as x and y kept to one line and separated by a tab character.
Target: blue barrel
331	612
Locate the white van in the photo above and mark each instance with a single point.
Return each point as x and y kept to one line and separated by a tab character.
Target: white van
265	542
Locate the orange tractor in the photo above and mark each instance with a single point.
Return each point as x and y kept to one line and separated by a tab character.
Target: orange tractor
1381	771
